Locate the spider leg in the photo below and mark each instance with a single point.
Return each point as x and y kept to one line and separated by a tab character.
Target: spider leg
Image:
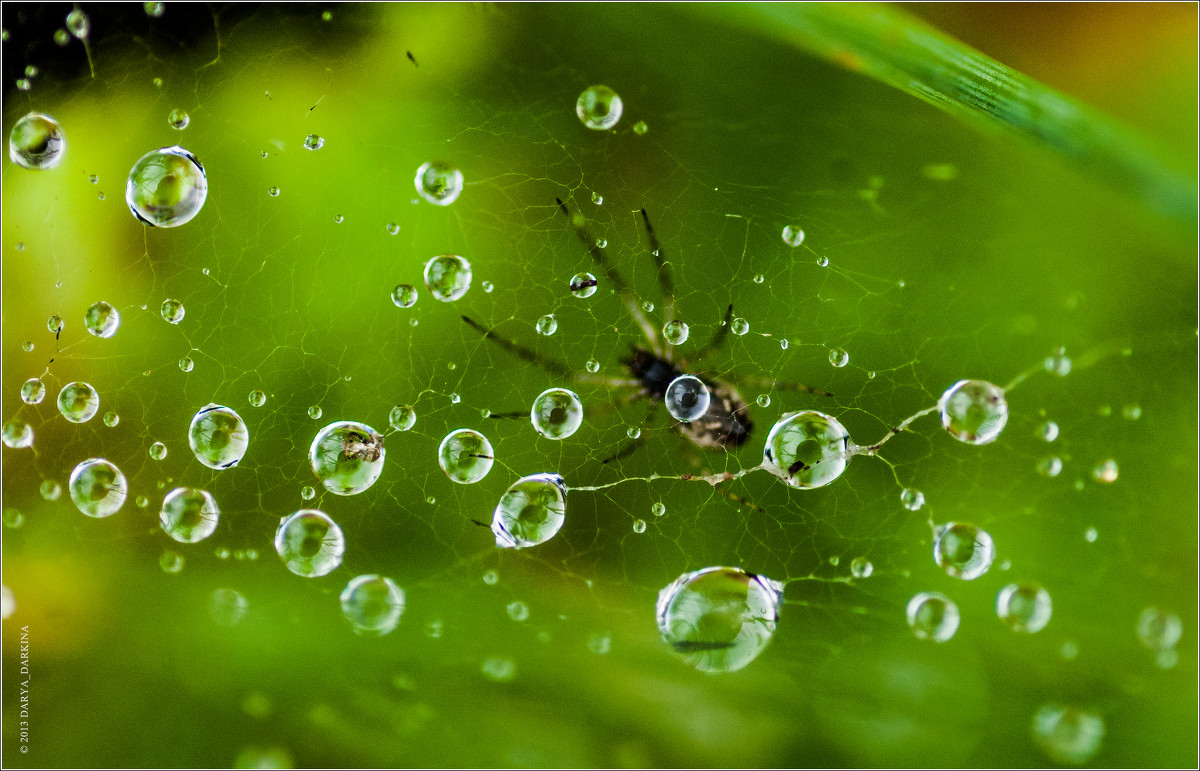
508	415
766	382
718	338
665	279
601	259
552	366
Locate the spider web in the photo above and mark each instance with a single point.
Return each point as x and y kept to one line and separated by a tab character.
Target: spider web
923	279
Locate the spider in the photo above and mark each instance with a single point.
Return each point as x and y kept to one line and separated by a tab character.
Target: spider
727	423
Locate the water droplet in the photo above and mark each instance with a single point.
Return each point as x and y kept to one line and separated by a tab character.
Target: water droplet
557	413
861	567
807	449
166	188
157	82
759	278
141	501
313	142
33	391
178	119
793	235
648	306
491	578
973	411
1024	607
1048	431
37	142
640	128
218	437
372	604
61	37
912	499
347	457
547	325
1105	471
763	400
154	9
658	509
55	324
599	643
17	434
189	515
404	296
186	364
310	543
1058	363
687	398
50	490
838	357
530	512
314	412
1050	466
1131	412
583	285
13	519
963	551
719	619
499	669
823	261
338	219
24	84
639	525
599	108
78	23
597	199
1091	534
97	487
487	287
466	456
1159	629
8	602
439	183
158	451
402	418
101	319
78	402
740	326
27	346
448	277
455	398
111	419
633	432
1068	735
171	562
227	607
932	616
783	344
591	365
273	191
675	332
172	311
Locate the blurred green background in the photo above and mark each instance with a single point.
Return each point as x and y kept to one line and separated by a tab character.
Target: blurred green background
952	253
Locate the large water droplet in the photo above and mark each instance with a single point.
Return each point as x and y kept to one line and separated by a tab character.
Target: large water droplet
1068	735
172	311
973	411
1024	607
189	515
402	418
719	619
101	319
599	108
793	235
78	402
372	604
530	512
466	456
687	398
167	187
963	551
557	413
33	391
932	616
347	457
310	543
439	182
675	332
807	449
218	437
313	142
97	487
448	277
17	434
404	295
37	142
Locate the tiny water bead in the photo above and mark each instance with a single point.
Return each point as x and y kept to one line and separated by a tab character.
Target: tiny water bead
1048	431
530	512
33	391
257	398
347	457
158	451
78	23
675	332
307	493
27	346
1068	735
466	456
392	228
591	365
50	490
227	607
448	277
793	235
499	669
639	525
640	128
807	449
78	402
338	219
973	411
557	413
763	400
273	191
583	285
439	182
597	199
912	499
172	311
1024	607
758	278
101	319
178	119
313	142
1131	412
372	604
97	487
1105	471
1159	629
648	306
17	434
1058	363
167	187
455	398
932	616
189	515
839	357
491	578
1050	466
402	417
599	108
55	324
37	142
488	286
112	419
310	543
861	567
658	509
171	562
719	619
314	412
61	37
218	437
1091	534
547	325
404	295
740	326
154	10
687	398
517	610
963	551
186	364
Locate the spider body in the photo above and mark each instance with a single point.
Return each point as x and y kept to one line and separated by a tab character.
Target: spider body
725	425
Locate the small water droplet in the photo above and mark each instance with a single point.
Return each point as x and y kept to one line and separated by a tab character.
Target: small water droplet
839	357
792	235
1105	471
178	119
547	325
313	142
599	108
